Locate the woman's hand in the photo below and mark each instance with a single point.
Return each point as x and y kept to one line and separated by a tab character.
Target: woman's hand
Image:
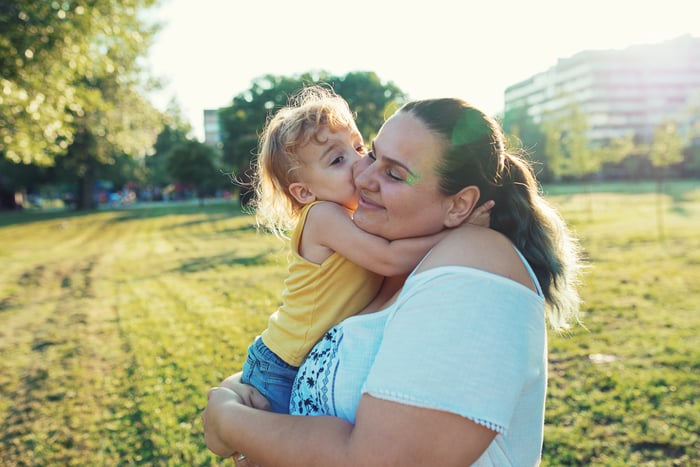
240	460
219	402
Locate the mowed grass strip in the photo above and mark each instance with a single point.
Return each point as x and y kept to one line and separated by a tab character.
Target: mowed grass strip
624	390
114	324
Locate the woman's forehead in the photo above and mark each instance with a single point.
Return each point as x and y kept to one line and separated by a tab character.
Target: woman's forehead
406	138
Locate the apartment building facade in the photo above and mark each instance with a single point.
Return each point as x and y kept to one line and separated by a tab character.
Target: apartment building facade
632	90
212	129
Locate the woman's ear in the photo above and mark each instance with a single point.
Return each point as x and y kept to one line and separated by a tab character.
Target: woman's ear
461	205
301	193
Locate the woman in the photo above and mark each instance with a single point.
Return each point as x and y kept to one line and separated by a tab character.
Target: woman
451	370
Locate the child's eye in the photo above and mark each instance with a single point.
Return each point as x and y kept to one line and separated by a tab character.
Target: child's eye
337	160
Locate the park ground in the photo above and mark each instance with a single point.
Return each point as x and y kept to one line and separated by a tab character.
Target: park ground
114	323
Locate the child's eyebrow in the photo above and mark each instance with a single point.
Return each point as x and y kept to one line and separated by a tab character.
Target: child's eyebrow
331	147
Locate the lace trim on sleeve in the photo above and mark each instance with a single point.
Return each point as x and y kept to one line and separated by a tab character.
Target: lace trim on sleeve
490	425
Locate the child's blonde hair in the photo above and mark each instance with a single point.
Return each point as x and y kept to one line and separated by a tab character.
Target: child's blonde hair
277	164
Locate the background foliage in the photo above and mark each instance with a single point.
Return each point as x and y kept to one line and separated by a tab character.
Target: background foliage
72	77
242	121
114	324
75	115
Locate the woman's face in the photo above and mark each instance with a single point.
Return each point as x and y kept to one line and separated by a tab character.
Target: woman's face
397	183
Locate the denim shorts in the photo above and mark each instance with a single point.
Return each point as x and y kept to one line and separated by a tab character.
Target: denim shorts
270	375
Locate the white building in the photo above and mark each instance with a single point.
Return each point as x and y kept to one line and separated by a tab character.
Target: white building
212	129
632	90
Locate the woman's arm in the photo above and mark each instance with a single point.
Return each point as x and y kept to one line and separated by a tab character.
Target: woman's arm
385	434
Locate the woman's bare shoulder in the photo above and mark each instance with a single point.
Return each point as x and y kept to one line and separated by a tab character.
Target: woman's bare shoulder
480	248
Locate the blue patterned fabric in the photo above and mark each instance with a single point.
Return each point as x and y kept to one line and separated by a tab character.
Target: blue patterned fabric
313	388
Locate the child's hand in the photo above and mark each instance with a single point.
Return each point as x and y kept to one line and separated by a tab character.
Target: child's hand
481	216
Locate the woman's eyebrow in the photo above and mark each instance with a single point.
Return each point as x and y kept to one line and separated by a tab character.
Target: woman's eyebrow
393	161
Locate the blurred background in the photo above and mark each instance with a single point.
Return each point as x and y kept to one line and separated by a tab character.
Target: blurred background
105	104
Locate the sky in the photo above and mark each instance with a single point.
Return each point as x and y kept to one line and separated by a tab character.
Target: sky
209	51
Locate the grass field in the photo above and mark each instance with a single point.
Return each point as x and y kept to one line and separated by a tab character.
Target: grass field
113	325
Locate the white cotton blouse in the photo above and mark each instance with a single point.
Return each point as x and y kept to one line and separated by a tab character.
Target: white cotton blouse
457	339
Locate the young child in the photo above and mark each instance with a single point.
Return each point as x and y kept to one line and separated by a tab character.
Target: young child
305	185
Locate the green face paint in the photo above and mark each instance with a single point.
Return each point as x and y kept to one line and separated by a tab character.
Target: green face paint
412	179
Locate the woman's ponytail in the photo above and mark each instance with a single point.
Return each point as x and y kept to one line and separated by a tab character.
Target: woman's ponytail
541	235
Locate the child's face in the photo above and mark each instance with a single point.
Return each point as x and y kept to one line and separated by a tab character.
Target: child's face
327	168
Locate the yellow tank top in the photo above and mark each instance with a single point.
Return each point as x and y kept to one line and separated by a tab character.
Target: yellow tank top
316	298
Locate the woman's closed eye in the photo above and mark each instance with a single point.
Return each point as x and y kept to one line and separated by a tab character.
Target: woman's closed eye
391	172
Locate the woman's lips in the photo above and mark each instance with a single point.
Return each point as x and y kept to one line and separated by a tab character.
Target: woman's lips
368	204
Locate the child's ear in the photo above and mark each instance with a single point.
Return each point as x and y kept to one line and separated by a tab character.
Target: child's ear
461	205
301	193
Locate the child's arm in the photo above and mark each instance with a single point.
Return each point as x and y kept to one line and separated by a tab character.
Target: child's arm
329	227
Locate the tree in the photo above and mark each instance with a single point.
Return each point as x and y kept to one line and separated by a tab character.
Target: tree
571	153
692	131
174	133
194	164
372	100
692	160
666	149
19	178
568	147
523	132
244	119
71	81
618	150
41	43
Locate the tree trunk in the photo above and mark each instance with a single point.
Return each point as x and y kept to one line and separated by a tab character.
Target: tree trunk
8	199
82	151
86	183
659	206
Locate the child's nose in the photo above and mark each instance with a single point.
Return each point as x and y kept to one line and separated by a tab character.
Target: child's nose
360	171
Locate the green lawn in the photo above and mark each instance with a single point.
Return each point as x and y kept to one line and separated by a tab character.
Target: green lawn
113	325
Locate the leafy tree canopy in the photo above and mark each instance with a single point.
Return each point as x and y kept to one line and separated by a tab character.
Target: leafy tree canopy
71	65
